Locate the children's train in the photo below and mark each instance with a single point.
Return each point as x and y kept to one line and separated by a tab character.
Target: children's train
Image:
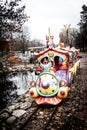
56	70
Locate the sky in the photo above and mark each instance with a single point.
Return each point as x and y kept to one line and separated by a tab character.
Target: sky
54	14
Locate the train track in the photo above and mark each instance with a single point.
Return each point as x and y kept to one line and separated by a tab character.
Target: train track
39	118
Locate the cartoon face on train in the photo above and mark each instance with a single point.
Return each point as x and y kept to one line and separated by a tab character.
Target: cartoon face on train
47	84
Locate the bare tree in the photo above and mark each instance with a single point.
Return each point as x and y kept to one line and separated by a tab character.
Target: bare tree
12	17
67	35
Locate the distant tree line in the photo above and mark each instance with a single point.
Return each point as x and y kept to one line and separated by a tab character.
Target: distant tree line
19	45
76	37
81	39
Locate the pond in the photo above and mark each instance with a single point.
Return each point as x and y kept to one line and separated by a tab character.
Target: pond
12	85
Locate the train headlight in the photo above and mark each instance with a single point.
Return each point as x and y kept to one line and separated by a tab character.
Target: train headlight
62	83
33	93
32	83
63	92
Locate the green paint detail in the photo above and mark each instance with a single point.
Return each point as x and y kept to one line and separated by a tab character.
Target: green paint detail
45	95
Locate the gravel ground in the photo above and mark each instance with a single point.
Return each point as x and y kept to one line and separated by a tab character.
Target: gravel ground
81	82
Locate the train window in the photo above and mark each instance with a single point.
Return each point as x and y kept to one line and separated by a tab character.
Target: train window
71	55
56	62
56	59
60	59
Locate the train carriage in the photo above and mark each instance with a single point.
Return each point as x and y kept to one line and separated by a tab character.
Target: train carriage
54	76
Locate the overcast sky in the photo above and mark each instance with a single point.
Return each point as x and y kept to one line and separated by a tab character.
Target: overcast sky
53	14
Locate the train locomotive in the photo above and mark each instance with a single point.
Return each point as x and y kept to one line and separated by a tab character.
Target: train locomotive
54	75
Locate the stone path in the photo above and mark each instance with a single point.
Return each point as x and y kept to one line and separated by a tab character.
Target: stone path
17	109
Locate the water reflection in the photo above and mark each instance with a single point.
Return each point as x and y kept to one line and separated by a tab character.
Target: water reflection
12	85
21	80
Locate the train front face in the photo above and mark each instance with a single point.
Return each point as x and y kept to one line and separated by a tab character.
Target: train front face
45	90
47	87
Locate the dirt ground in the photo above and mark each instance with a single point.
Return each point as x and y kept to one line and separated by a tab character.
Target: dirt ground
82	82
